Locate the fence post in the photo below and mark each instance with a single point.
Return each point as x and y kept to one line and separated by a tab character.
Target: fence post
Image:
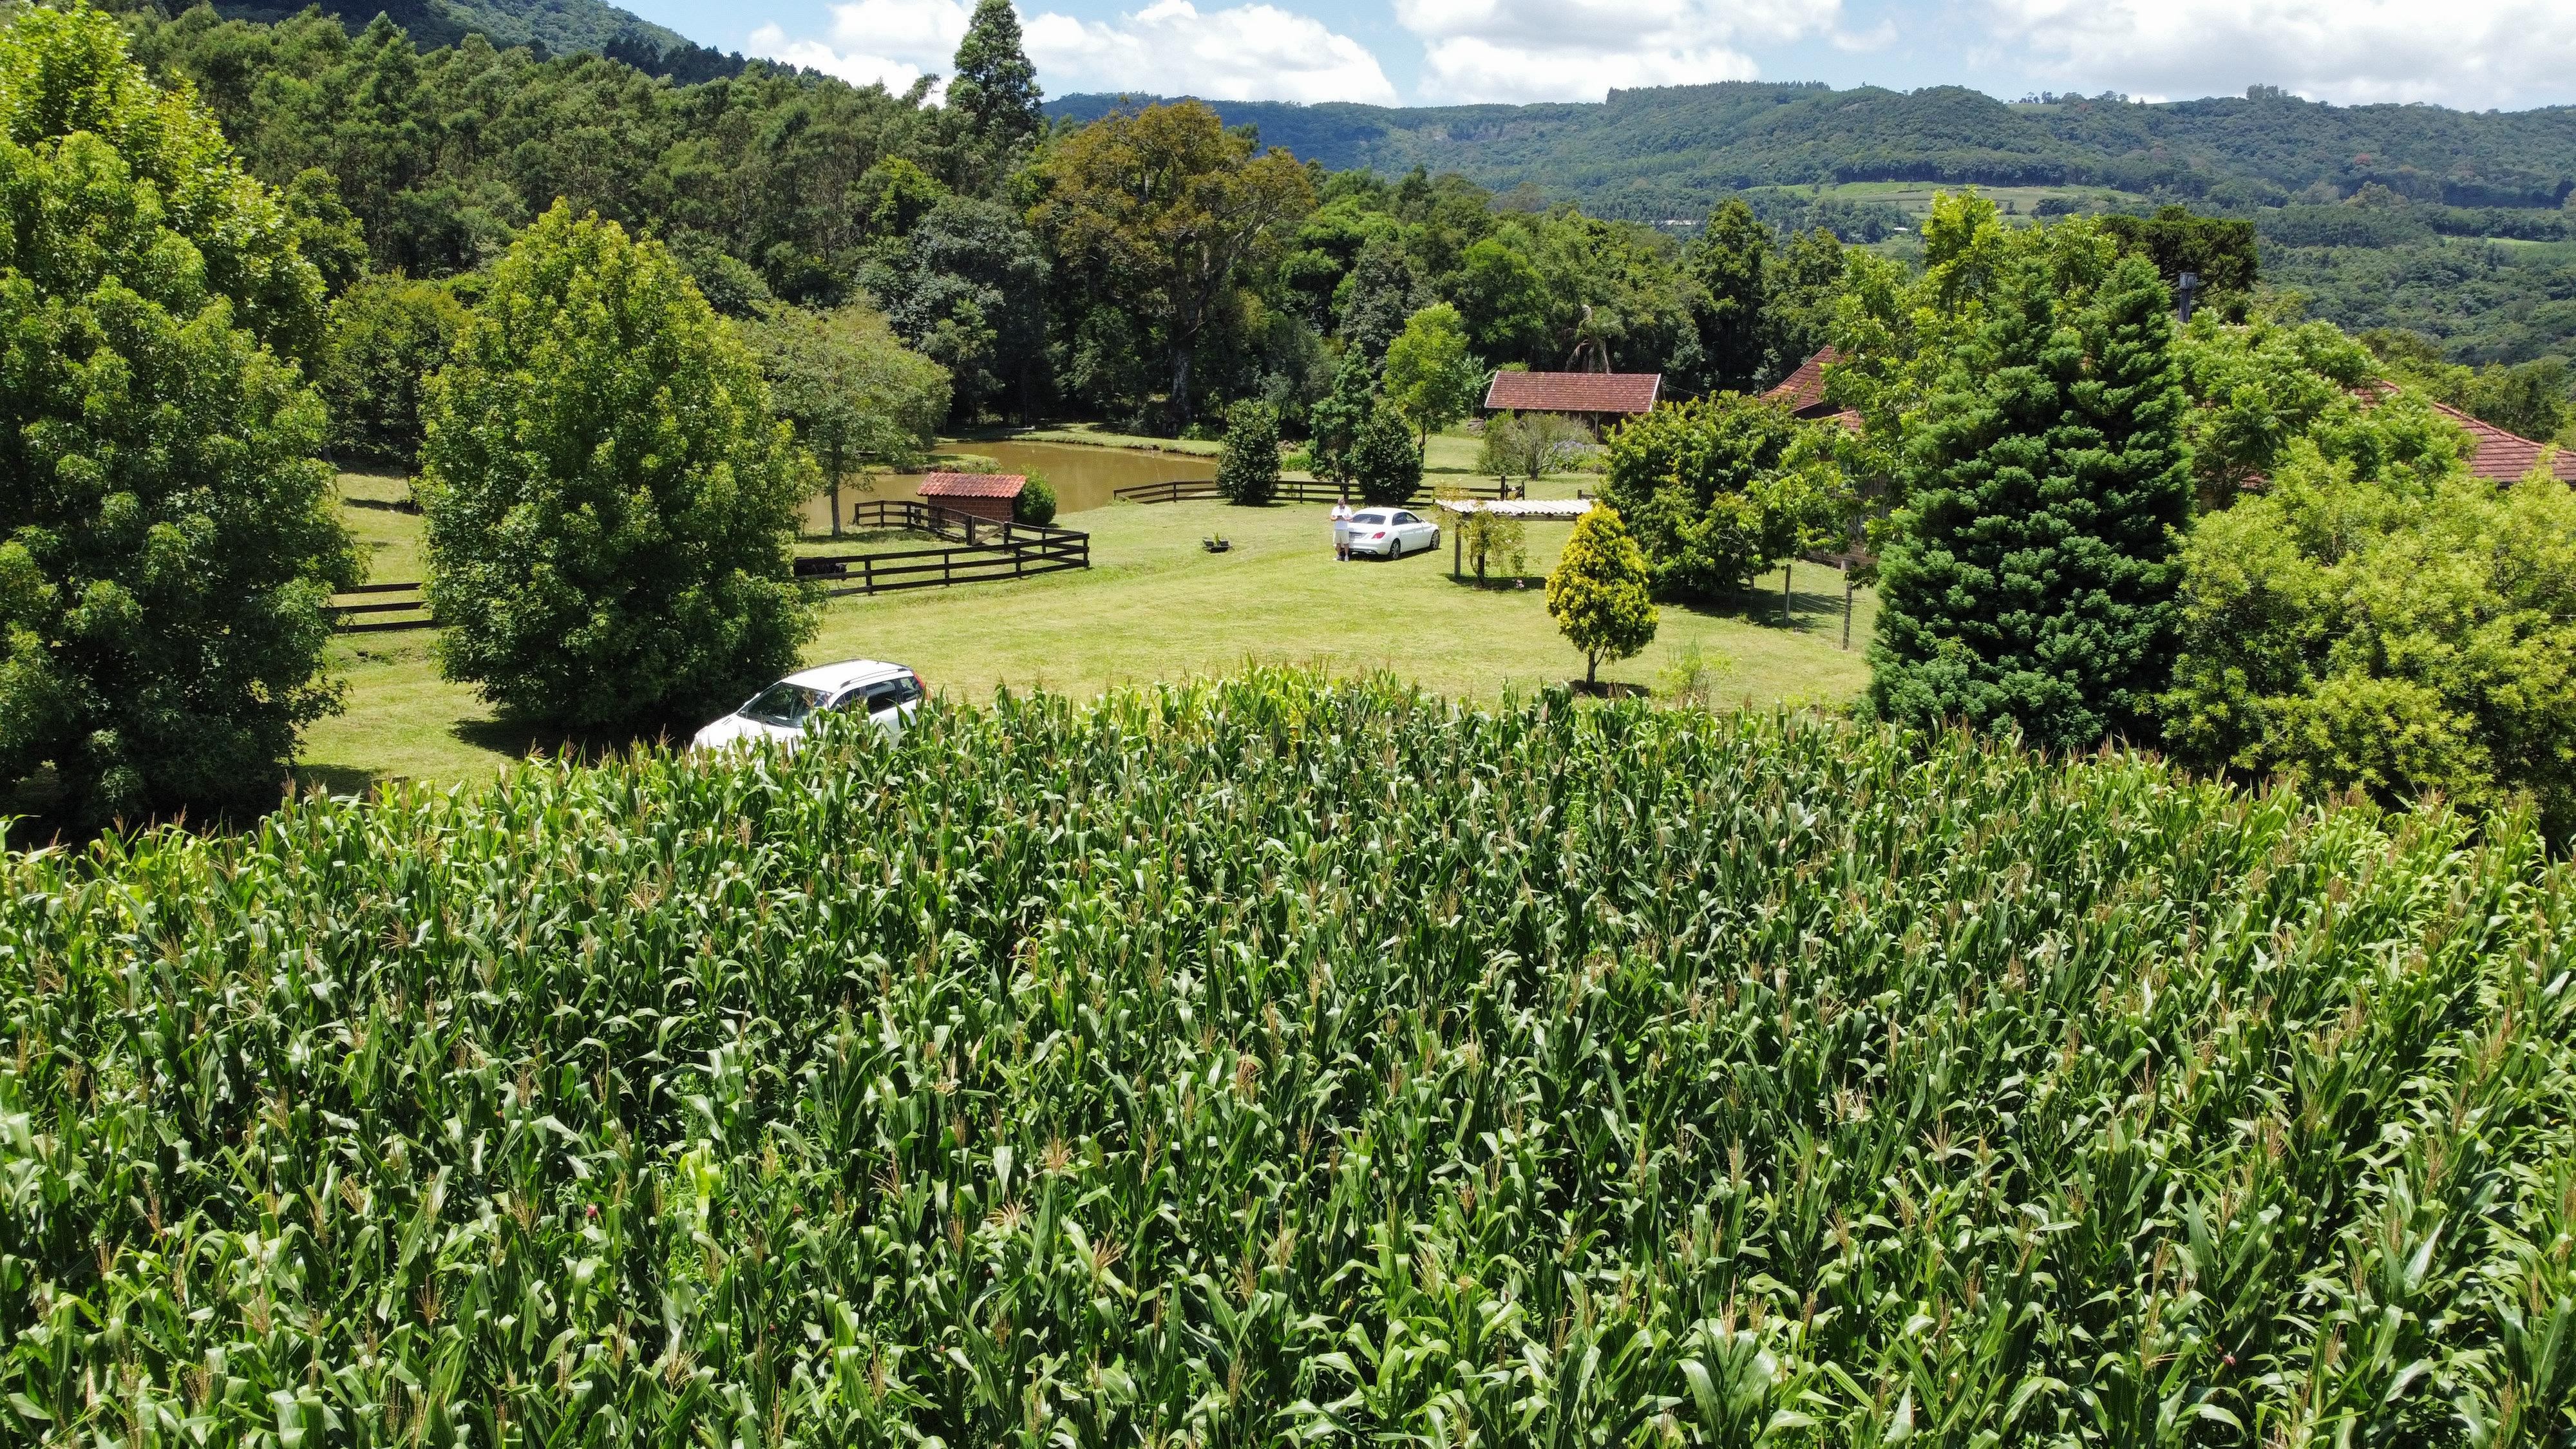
868	574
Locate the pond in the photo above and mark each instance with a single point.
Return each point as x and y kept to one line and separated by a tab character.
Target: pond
1083	477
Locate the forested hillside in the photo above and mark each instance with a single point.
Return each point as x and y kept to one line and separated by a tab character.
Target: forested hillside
558	25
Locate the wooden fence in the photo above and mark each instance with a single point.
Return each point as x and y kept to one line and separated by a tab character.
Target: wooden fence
1291	490
984	550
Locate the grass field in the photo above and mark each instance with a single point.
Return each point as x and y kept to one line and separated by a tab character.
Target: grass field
1154	606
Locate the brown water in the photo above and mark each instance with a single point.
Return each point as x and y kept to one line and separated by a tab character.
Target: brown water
1083	477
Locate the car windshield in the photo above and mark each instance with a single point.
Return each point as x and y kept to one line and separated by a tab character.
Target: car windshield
784	705
1370	518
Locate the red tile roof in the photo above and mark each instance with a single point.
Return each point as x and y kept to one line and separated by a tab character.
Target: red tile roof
1803	392
2503	456
1575	392
973	485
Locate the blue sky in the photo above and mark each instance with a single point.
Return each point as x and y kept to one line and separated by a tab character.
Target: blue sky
2474	54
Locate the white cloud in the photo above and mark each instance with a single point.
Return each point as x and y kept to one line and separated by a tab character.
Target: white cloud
887	42
2468	53
1567	50
1254	52
1246	53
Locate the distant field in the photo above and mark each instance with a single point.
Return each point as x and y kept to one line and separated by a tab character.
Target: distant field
1914	198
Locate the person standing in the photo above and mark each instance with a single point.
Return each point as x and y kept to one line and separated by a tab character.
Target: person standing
1341	531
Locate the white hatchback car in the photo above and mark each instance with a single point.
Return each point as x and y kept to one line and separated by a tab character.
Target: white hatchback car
1392	533
886	693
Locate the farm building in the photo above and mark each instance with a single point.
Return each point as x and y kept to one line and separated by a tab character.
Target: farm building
1803	393
2502	456
985	495
1595	397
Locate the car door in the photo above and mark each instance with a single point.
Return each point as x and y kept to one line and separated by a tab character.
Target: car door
1415	534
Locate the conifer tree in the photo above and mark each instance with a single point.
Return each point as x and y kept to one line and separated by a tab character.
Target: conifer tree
994	95
1334	421
2033	573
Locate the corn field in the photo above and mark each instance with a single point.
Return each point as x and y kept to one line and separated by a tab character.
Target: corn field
1282	1062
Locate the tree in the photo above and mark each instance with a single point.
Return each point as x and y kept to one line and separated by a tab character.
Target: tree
2392	634
965	286
1729	260
1529	446
1598	593
1717	491
1247	472
856	396
1376	298
2220	253
1334	421
387	335
1429	377
609	499
1383	461
1172	211
168	542
1502	299
993	96
2032	575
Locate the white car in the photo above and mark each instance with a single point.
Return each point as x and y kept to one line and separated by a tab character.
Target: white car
1392	533
886	693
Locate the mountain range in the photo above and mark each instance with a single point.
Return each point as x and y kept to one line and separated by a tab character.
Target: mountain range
1672	151
558	25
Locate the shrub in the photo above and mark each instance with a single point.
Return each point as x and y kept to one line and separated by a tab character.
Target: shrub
1717	491
618	1100
1598	593
168	544
1383	461
388	334
2391	636
610	501
1529	446
1036	503
1247	471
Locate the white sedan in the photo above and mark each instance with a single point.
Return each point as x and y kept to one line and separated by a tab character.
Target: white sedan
1392	533
887	694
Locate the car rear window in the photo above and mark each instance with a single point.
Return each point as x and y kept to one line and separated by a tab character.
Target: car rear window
783	705
1369	518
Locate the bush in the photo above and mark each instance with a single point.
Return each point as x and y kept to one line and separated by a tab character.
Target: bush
1383	462
1598	593
1851	1053
1717	491
2394	637
171	544
610	502
388	334
1036	503
1247	471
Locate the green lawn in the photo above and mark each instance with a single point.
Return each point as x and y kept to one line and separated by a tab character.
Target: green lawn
1154	606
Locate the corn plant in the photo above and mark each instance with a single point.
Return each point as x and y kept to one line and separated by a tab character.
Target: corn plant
1282	1061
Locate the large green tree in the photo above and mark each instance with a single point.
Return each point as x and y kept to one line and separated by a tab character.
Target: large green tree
1430	378
388	333
610	500
168	545
2393	634
1729	261
1169	212
992	98
2031	579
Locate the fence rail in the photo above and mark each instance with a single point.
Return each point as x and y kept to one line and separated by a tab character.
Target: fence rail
1290	490
986	550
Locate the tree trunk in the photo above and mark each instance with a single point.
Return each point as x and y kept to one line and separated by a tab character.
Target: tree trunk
1592	671
834	487
1180	386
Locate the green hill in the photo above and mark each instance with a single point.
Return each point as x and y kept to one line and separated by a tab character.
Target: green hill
558	25
1673	151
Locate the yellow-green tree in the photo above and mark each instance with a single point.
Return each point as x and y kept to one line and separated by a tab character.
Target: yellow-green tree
610	499
1429	377
1598	594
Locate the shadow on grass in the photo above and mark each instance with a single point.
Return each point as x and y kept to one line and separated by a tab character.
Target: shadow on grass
525	739
382	505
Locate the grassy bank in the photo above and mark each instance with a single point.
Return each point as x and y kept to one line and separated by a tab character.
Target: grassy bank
1155	606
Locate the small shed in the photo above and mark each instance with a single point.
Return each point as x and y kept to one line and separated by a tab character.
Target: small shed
1595	397
985	495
